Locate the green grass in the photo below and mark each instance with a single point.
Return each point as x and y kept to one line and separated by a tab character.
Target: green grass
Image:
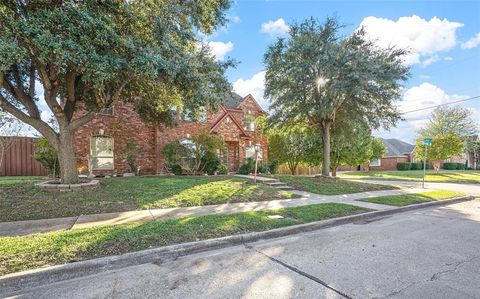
21	201
414	198
28	252
444	176
328	186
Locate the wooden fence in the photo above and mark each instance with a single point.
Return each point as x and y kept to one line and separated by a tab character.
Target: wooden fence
18	159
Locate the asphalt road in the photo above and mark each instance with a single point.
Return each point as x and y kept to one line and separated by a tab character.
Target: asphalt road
430	253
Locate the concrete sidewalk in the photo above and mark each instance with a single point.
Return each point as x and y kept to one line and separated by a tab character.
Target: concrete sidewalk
18	228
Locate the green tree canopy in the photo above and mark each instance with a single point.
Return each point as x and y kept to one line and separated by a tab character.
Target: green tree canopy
294	145
353	144
87	55
450	120
443	147
315	72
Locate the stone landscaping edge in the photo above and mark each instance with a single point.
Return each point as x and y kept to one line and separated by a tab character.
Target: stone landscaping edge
53	186
21	281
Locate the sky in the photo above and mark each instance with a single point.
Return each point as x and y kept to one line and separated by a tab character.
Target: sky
443	38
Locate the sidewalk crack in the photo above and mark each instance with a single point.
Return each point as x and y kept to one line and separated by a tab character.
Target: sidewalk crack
300	272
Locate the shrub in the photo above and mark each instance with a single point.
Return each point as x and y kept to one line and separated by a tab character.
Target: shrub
244	169
176	169
461	166
404	166
222	169
449	166
273	166
210	163
131	153
416	166
262	168
46	154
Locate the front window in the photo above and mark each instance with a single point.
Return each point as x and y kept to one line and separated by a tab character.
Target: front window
101	150
250	151
250	123
375	162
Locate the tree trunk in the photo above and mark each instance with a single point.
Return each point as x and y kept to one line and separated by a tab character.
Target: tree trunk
326	147
334	171
66	157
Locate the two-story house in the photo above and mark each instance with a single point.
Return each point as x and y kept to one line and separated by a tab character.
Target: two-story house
103	141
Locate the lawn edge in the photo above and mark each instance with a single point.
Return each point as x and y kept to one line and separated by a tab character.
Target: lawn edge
13	283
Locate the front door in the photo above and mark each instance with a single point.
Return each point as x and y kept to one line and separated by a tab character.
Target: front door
232	156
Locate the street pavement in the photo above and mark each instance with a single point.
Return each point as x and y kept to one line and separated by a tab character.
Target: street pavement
428	253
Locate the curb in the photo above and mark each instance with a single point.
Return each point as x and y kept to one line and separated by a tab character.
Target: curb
15	282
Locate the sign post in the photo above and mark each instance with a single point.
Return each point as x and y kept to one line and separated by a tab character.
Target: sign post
427	142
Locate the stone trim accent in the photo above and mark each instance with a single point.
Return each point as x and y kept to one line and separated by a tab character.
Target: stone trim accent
53	186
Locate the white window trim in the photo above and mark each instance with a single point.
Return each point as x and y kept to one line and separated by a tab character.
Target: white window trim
377	165
113	152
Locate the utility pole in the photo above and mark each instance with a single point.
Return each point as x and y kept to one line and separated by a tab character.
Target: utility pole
426	142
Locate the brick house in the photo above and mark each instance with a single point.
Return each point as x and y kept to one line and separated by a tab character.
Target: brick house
397	151
105	137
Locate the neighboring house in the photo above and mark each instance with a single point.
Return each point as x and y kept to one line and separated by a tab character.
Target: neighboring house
104	138
397	151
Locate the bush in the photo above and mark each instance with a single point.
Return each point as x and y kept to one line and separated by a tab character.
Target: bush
244	169
222	169
262	168
450	166
47	156
461	166
416	166
404	166
273	166
210	163
131	153
176	169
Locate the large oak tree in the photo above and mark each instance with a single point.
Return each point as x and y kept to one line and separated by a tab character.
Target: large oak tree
87	55
316	71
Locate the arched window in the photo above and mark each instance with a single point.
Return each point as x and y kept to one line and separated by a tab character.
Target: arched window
101	151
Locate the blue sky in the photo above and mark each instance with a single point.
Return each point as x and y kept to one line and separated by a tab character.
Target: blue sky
443	36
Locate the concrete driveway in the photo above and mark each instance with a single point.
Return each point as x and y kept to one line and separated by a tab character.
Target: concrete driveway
430	253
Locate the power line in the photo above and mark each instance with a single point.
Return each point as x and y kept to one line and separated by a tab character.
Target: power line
454	102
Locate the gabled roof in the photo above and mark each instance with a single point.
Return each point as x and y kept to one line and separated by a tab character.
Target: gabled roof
232	100
396	147
227	114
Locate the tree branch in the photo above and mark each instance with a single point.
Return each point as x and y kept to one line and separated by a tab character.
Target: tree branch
82	120
20	95
38	124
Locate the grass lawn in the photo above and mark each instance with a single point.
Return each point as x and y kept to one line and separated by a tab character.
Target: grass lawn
328	186
445	176
21	201
28	252
410	199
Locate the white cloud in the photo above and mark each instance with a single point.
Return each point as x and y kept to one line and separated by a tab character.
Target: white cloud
255	86
220	49
422	37
275	28
472	43
448	58
418	97
430	60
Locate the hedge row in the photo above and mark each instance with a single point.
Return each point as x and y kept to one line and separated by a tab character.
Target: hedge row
454	166
409	166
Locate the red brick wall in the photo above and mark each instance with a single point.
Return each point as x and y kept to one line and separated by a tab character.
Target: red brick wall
389	163
124	124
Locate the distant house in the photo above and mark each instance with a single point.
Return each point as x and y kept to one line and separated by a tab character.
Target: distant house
397	151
